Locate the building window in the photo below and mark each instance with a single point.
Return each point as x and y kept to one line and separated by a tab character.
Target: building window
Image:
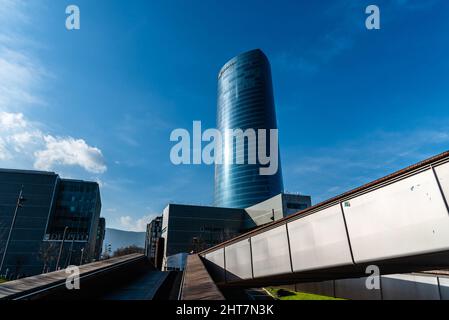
297	206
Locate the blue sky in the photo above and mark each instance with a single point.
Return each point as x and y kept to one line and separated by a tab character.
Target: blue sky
100	103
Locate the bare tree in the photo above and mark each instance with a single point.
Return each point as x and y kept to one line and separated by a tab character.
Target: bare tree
128	250
105	256
19	261
47	254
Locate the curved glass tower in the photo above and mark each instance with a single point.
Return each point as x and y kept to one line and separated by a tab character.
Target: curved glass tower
245	101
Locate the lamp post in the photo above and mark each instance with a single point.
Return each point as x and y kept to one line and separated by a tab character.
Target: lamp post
19	204
82	254
60	248
71	250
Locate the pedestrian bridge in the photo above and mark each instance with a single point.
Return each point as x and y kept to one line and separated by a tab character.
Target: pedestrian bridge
122	278
399	223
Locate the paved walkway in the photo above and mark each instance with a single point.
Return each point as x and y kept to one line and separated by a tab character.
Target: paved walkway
143	288
198	285
35	283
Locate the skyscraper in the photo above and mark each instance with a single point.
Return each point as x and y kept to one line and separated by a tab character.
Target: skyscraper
245	101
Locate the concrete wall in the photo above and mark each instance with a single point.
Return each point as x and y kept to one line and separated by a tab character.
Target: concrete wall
394	287
262	213
355	289
325	288
410	287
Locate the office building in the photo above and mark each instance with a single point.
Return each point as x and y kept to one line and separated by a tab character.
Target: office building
77	210
39	191
187	228
276	208
101	233
244	199
53	214
154	232
294	203
245	101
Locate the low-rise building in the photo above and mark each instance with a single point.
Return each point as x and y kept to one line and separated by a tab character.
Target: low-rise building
188	228
101	233
154	232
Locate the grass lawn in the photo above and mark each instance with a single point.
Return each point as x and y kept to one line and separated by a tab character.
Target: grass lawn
2	280
291	295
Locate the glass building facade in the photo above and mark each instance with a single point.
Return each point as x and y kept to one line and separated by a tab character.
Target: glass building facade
154	232
49	205
101	233
187	228
245	101
38	190
77	208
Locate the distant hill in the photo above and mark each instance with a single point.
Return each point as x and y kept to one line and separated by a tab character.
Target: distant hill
121	239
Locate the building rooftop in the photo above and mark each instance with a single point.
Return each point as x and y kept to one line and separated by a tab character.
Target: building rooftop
233	60
27	171
49	173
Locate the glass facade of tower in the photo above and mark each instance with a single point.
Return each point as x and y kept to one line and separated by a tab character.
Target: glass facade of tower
245	101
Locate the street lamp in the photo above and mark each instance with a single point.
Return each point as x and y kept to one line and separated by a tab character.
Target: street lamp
82	254
60	248
71	250
19	204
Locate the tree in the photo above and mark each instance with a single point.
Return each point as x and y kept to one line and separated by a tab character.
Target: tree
128	250
47	254
19	261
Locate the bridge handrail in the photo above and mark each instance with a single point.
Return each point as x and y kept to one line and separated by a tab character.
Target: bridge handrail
379	183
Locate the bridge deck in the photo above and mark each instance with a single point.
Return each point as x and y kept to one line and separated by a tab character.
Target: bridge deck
399	223
198	285
32	285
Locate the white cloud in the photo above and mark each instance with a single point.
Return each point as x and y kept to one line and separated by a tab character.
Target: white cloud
13	11
69	152
20	141
21	77
10	121
128	223
20	138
